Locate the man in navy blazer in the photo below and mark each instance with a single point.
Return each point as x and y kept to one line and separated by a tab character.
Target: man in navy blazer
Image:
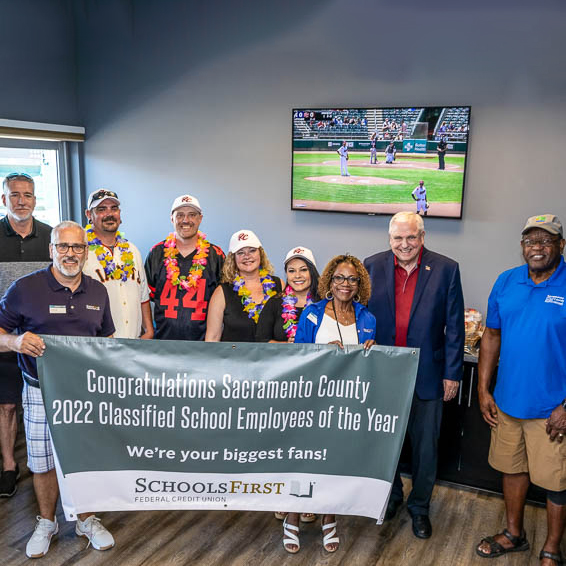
417	301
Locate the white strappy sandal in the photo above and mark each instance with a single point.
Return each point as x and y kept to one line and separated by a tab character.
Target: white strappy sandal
290	537
330	538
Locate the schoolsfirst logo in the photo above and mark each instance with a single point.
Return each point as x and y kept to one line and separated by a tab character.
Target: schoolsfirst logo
233	487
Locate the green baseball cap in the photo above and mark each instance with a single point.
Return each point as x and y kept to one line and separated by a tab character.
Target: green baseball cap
549	222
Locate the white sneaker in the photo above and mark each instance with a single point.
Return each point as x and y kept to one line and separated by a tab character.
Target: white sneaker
96	533
38	544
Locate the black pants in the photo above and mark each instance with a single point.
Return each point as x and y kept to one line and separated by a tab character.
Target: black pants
423	430
441	160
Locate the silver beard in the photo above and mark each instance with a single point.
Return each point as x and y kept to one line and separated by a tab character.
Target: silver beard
69	269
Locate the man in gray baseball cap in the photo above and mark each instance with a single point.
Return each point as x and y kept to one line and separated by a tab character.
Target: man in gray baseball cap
548	222
525	335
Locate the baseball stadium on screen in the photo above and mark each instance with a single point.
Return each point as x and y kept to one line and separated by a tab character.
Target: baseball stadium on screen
380	160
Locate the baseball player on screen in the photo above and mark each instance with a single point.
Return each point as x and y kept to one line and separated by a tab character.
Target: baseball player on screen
343	153
373	149
419	194
390	152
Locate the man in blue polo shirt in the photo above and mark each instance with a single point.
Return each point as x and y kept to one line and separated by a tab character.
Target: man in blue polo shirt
56	300
526	333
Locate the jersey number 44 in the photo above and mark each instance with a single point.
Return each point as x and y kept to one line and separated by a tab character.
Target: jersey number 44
193	299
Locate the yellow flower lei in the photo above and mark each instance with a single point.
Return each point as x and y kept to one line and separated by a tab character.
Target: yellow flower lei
105	258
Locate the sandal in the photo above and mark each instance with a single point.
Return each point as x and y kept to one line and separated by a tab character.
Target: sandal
305	517
290	538
330	538
551	556
496	549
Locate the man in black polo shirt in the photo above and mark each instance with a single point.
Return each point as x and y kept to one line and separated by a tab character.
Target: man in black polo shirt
56	300
22	239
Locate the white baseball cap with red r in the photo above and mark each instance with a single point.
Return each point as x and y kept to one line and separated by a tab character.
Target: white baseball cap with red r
243	239
186	200
302	253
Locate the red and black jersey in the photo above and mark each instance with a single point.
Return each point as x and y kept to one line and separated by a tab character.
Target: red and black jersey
180	314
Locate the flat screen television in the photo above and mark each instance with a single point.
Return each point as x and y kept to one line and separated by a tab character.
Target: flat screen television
380	160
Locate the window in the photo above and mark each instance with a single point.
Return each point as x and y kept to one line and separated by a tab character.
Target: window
41	163
52	155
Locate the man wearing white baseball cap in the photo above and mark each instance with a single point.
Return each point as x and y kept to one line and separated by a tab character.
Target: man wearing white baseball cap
182	272
118	265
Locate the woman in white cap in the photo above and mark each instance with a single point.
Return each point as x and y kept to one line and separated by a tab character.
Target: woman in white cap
278	323
278	320
246	285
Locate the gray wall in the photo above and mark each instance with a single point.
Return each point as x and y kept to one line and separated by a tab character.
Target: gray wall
37	61
181	96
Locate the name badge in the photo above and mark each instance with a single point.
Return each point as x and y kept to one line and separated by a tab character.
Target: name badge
57	309
312	317
93	307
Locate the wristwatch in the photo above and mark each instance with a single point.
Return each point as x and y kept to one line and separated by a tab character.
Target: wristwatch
564	404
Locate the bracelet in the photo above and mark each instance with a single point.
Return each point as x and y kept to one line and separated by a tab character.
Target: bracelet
564	404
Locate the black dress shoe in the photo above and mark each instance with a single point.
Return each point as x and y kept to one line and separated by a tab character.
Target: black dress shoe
392	508
421	526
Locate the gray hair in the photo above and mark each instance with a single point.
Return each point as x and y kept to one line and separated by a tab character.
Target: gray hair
406	216
17	177
66	224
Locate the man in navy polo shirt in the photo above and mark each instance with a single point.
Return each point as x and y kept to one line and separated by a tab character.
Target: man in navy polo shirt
526	334
56	300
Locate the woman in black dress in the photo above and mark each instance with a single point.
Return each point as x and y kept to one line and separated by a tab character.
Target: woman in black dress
278	323
246	285
278	320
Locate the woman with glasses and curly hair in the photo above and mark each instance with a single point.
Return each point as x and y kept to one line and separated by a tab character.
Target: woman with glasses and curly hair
341	317
246	285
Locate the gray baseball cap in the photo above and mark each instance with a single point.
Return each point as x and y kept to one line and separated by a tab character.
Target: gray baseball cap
549	222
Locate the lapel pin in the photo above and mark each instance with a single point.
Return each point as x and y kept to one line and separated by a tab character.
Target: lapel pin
427	267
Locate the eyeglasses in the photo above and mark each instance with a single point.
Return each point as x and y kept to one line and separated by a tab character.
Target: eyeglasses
64	248
13	176
543	242
182	215
246	252
339	279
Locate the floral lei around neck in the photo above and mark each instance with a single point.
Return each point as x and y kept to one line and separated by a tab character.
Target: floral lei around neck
106	259
289	314
253	309
199	262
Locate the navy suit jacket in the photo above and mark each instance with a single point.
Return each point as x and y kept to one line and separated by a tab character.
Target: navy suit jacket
436	323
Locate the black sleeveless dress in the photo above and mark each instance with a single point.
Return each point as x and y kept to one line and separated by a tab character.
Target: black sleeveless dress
237	326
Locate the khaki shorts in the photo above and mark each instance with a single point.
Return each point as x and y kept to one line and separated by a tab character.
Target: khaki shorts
522	445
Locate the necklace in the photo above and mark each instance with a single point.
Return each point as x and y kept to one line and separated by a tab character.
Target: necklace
338	324
253	309
106	259
199	262
289	313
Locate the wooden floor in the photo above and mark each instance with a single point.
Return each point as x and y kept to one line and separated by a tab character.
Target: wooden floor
460	519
